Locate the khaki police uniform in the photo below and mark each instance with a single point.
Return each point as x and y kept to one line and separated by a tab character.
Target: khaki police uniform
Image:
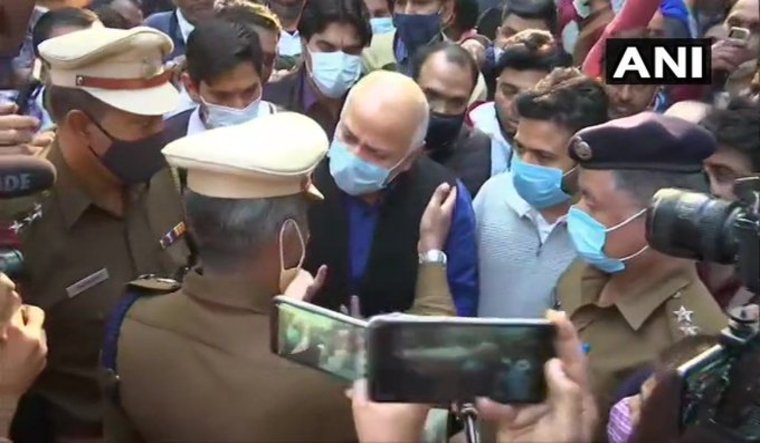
195	365
623	337
78	256
655	313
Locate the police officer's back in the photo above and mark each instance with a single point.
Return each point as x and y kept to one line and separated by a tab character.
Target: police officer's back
195	364
628	301
103	222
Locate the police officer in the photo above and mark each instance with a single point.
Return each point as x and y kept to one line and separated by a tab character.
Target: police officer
113	214
628	301
195	364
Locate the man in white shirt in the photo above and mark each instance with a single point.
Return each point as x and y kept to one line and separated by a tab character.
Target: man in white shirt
223	79
523	244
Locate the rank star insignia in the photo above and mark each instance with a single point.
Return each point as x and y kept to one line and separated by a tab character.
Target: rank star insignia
683	315
16	227
689	330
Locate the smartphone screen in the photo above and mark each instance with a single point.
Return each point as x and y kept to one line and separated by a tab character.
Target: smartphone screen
739	34
439	361
700	376
318	338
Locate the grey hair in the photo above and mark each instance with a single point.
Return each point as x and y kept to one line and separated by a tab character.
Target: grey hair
230	233
643	185
418	141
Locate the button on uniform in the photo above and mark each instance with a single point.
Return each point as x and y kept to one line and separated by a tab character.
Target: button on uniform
78	255
649	314
196	365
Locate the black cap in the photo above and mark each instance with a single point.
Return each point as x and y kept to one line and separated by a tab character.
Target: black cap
645	141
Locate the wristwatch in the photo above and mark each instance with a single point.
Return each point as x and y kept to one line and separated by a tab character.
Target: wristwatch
434	257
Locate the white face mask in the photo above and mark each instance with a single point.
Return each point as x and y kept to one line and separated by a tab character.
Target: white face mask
335	72
218	116
288	275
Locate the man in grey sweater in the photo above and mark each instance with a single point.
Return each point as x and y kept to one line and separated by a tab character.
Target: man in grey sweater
523	245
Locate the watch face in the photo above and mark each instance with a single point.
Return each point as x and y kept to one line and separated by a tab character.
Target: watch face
433	257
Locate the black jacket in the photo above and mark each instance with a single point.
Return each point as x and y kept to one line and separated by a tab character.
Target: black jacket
468	157
390	276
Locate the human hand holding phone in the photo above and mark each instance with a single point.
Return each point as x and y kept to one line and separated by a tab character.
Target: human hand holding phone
569	413
730	52
17	132
10	303
381	422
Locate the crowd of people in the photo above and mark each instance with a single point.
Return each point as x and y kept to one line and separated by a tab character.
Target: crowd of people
432	157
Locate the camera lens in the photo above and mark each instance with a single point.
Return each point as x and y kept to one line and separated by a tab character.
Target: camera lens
692	225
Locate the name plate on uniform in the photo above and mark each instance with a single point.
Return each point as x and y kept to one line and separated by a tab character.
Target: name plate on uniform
86	283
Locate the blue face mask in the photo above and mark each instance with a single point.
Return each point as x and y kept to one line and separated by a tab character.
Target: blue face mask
538	185
354	175
382	25
417	30
218	116
335	73
589	237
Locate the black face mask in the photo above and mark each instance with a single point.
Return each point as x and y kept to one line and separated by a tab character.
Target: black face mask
443	129
133	162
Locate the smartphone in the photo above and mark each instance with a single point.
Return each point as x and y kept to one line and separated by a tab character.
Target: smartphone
702	377
26	94
739	34
440	360
318	338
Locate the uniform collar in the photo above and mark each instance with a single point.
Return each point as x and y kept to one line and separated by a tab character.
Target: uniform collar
72	198
513	199
228	291
73	201
638	305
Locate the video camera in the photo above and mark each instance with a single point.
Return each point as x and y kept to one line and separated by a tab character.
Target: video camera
20	176
721	389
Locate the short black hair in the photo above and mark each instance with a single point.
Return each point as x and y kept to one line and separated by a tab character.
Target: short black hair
736	127
545	10
111	18
216	47
466	14
454	54
56	18
567	98
317	15
532	49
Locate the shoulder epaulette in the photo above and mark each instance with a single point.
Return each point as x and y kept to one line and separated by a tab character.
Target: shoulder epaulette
153	285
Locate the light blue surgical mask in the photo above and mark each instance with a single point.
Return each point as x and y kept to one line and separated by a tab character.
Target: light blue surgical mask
538	185
589	237
218	116
335	73
382	25
354	175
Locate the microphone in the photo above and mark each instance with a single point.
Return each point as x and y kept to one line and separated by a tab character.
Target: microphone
22	175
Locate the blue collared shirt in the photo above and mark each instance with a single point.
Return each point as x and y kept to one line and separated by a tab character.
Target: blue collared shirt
461	248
